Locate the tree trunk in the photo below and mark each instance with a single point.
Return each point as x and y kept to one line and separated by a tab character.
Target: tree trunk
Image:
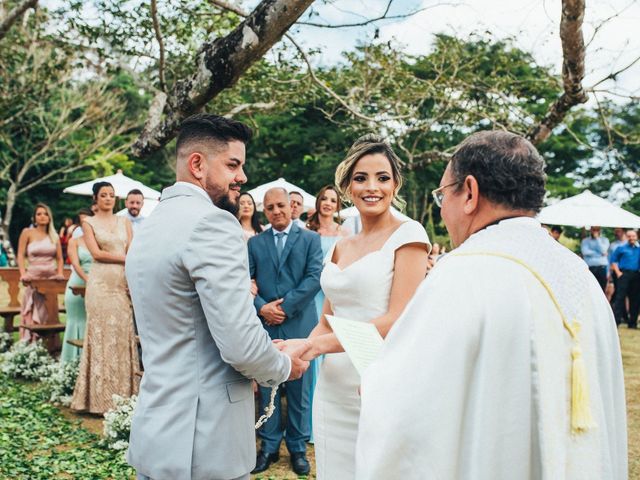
12	17
573	52
219	65
6	220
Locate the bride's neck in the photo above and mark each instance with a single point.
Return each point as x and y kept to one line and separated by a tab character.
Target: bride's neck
371	223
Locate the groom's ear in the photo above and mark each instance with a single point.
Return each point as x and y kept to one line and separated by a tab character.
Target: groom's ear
195	163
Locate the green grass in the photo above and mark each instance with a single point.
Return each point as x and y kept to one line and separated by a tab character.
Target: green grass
38	442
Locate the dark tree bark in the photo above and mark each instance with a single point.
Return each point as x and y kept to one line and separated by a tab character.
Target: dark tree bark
573	52
218	66
13	16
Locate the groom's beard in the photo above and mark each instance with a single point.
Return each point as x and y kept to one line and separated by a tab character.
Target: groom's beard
220	198
225	203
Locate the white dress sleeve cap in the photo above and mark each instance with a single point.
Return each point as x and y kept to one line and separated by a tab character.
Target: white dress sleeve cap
409	232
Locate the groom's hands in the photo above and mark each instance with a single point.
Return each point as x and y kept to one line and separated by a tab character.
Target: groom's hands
296	351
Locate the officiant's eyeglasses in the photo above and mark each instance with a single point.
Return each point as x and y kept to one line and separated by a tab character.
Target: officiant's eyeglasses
438	193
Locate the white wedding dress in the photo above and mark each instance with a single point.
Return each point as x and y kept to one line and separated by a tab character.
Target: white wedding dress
359	292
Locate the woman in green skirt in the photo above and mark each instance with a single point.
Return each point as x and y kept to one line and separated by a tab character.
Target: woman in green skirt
76	316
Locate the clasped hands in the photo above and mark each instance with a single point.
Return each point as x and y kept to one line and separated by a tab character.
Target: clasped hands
298	350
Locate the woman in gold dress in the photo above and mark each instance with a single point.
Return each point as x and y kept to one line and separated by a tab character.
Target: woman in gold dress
109	357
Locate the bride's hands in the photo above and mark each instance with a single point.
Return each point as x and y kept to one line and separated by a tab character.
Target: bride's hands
296	344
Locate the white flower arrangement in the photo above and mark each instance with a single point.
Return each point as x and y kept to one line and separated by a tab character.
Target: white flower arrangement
62	381
117	422
5	341
30	361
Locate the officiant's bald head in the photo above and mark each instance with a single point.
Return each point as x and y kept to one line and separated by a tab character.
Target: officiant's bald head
492	175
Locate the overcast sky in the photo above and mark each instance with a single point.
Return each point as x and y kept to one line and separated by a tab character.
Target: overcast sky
533	23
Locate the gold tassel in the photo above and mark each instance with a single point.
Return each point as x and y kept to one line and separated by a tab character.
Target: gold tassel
581	418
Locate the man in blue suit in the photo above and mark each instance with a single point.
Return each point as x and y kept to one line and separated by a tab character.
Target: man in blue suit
285	261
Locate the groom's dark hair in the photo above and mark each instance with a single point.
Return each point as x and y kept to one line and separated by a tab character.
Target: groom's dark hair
206	127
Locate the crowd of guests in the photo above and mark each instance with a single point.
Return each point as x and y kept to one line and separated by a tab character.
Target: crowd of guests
94	247
615	265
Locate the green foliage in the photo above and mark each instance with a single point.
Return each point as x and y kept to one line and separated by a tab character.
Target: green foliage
40	443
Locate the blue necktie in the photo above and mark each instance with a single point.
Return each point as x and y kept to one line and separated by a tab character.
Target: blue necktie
280	243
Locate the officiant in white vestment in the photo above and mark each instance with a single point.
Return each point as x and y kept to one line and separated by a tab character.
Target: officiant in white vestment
506	363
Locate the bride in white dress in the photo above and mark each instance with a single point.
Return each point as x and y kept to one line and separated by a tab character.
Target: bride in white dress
368	277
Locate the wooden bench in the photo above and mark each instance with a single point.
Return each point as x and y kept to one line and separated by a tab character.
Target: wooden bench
76	342
45	329
49	288
78	290
9	314
11	275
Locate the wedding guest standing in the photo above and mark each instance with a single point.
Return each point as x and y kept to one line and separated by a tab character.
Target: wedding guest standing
65	235
285	261
297	208
39	257
109	354
625	264
248	216
595	251
81	260
322	221
134	203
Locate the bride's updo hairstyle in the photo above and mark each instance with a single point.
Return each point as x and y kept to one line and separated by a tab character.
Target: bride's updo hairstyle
369	144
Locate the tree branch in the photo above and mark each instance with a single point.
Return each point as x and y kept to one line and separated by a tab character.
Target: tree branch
573	52
158	33
13	16
384	16
219	65
249	106
238	11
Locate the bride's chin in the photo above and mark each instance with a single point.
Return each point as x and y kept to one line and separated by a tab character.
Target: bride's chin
372	210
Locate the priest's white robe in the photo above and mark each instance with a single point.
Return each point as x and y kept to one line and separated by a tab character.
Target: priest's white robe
473	382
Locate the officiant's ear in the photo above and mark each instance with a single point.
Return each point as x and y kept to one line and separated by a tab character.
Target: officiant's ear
196	163
471	191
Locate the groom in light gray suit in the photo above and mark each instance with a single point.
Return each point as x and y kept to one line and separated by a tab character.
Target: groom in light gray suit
201	340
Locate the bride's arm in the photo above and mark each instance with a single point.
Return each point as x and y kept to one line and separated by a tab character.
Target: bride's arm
410	268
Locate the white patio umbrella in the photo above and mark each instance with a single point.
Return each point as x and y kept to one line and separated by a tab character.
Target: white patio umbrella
588	210
258	193
121	184
147	208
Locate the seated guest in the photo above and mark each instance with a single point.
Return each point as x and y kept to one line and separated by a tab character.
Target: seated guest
80	259
595	251
248	216
625	265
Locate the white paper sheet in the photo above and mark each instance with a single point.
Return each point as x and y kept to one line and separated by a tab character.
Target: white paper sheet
361	340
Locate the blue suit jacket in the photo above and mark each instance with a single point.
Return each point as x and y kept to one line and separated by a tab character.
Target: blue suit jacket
295	278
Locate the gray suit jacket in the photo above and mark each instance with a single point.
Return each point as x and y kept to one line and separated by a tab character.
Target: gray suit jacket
201	341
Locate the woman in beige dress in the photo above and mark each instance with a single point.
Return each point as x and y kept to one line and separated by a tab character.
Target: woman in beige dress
109	356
